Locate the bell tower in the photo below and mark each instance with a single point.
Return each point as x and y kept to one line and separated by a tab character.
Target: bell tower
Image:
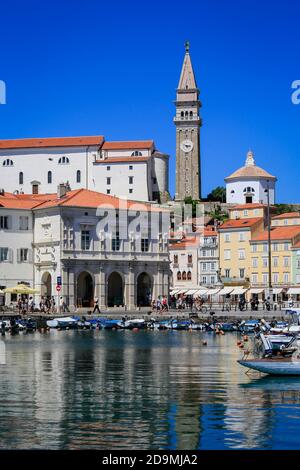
188	122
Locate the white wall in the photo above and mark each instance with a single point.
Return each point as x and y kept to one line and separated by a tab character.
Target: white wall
238	197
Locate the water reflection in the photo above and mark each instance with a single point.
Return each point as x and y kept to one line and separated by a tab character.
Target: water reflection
146	390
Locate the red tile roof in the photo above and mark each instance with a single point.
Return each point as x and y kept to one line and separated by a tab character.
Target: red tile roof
247	206
287	215
184	243
123	160
128	145
279	233
52	142
240	223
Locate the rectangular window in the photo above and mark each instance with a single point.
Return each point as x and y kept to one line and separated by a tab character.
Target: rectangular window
275	261
265	277
265	262
275	247
23	255
130	178
254	278
23	222
241	253
115	243
144	244
245	213
85	240
4	222
204	268
275	277
227	237
254	262
108	191
108	180
242	237
242	273
286	261
286	246
108	168
130	190
254	248
227	272
204	279
298	278
265	248
298	263
213	266
3	254
212	279
130	167
227	254
286	277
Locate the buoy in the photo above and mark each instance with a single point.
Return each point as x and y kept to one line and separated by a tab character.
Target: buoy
135	329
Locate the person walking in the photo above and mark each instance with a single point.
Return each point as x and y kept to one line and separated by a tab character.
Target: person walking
96	305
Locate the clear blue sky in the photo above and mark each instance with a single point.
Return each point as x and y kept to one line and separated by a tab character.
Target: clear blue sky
112	68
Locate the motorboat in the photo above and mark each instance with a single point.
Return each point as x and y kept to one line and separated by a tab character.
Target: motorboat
249	326
139	323
63	323
285	361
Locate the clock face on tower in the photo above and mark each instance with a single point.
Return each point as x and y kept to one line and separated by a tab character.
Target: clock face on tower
187	146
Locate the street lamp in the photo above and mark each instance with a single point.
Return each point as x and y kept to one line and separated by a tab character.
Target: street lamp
269	239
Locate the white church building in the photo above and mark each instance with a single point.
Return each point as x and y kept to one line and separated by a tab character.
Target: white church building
250	184
130	169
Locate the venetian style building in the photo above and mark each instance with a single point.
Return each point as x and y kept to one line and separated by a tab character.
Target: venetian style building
188	122
250	184
100	246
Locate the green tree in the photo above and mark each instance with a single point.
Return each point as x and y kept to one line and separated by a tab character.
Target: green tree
217	194
282	208
218	214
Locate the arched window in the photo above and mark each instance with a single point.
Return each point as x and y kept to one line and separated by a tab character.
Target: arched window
190	258
191	114
136	153
182	114
63	161
232	191
186	114
78	176
8	162
21	177
179	276
175	259
49	177
189	276
184	276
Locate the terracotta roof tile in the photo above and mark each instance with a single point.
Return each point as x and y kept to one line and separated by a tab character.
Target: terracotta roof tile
240	223
286	215
247	206
52	142
128	145
279	233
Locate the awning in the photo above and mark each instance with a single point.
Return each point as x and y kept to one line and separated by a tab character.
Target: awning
226	290
277	290
174	291
212	291
202	291
293	290
238	291
191	292
182	291
256	291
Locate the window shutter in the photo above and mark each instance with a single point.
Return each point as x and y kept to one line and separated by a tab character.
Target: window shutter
30	256
10	255
19	255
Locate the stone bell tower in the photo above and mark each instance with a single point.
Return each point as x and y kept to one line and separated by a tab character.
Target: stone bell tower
188	123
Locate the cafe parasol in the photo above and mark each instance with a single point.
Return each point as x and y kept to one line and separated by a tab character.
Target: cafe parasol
21	289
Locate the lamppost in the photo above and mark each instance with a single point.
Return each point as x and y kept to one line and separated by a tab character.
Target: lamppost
269	240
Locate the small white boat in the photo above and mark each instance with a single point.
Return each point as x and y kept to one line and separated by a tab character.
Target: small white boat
273	366
65	322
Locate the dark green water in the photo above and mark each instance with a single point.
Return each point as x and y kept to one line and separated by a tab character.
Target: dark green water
145	390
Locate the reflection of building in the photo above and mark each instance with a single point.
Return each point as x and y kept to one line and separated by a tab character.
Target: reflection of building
249	184
133	169
99	245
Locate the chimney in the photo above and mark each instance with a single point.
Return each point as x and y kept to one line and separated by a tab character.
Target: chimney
61	190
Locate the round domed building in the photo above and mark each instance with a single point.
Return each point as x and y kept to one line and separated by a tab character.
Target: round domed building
249	184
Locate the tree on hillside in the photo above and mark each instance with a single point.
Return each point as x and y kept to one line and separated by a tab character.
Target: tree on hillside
282	208
217	194
218	214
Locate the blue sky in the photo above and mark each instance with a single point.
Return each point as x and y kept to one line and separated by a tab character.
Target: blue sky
112	68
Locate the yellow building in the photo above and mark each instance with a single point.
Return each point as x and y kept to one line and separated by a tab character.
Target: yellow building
287	219
234	248
282	240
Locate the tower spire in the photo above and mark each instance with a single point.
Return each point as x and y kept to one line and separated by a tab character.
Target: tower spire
187	79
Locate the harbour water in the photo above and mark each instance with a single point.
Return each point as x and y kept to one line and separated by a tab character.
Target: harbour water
140	390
